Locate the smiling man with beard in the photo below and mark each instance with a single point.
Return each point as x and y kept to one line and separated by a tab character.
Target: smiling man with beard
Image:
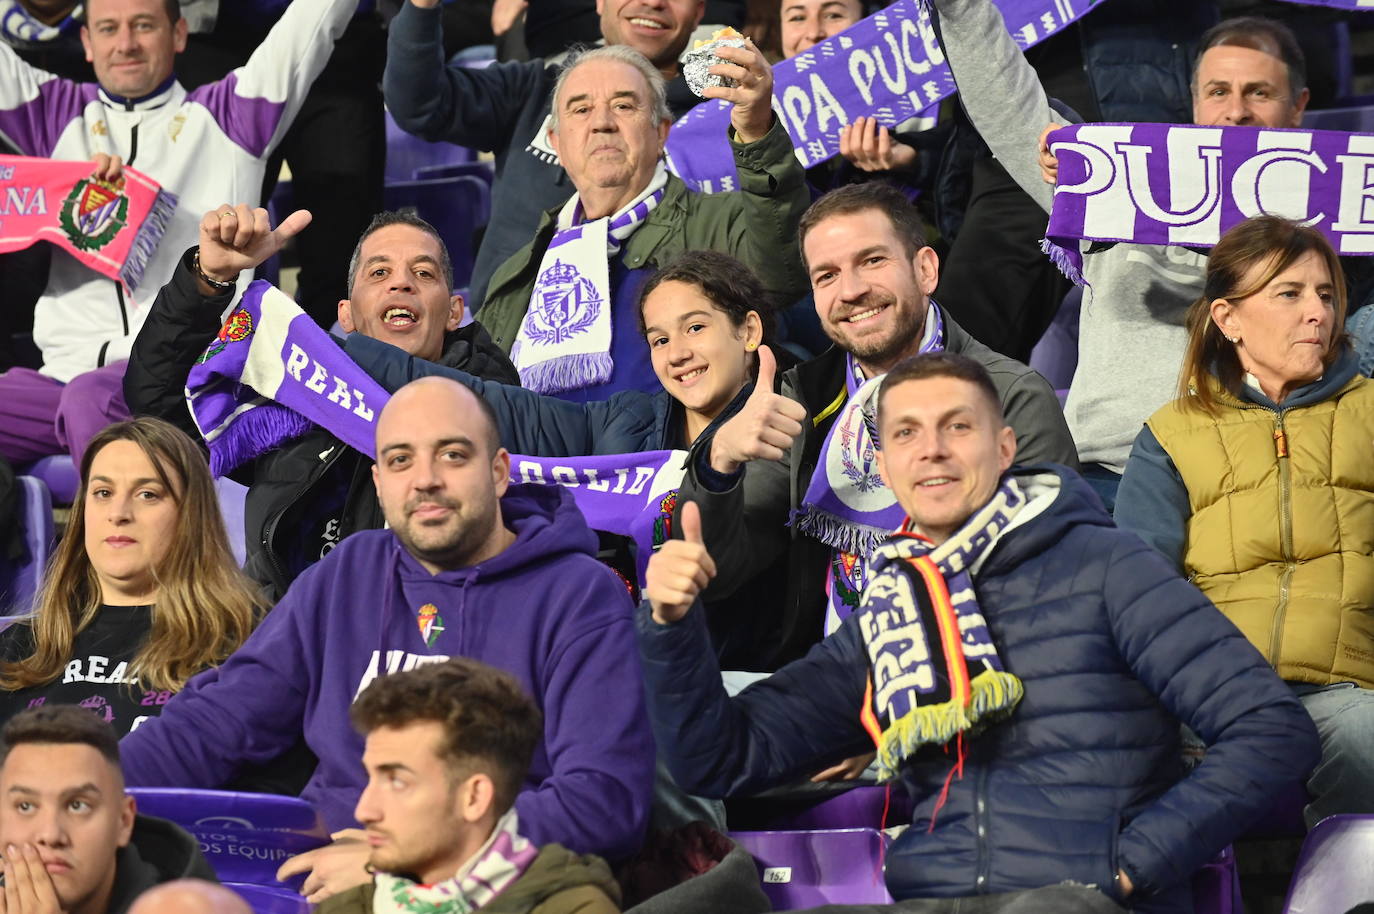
308	494
872	274
470	567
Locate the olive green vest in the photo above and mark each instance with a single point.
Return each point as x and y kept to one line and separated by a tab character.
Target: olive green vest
1281	535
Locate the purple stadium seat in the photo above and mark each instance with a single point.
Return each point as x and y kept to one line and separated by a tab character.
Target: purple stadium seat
1336	868
455	206
405	153
1349	120
802	869
1056	354
20	580
485	171
231	496
264	900
58	474
245	836
1216	887
861	807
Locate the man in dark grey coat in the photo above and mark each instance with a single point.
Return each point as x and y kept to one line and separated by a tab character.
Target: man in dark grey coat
872	274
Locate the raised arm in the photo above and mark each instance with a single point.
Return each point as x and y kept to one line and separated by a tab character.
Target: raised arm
36	106
530	423
255	104
998	89
429	98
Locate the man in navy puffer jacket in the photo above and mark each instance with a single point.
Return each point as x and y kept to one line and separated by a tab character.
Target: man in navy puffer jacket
1078	800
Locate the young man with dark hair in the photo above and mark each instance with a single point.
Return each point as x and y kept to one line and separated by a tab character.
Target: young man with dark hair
69	834
447	749
806	453
1050	654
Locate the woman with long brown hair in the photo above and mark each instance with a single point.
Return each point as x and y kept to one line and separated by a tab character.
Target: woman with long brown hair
142	592
1258	483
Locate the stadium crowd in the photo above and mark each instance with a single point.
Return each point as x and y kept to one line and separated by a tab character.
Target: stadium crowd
662	462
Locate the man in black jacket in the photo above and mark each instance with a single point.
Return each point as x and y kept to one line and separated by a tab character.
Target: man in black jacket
312	492
872	274
72	838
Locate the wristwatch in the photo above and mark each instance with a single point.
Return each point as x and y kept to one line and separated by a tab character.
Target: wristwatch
217	285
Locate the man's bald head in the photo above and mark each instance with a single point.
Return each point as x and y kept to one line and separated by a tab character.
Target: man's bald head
190	896
438	393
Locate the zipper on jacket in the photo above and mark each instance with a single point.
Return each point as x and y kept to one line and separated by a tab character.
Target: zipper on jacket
133	145
980	825
1285	535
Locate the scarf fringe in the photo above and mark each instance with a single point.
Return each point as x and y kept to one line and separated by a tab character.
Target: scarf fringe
568	372
993	694
836	532
254	432
1069	262
146	241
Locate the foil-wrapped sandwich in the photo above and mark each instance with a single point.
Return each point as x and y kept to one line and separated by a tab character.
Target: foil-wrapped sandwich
703	56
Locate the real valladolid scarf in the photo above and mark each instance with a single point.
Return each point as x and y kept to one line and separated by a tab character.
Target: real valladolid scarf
847	505
564	342
113	228
272	375
492	870
18	27
935	675
1186	185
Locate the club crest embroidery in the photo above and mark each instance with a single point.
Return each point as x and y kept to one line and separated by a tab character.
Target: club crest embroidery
863	471
847	573
567	303
93	213
663	524
237	328
430	622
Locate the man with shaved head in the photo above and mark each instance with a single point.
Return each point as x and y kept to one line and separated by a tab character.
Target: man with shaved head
190	896
471	566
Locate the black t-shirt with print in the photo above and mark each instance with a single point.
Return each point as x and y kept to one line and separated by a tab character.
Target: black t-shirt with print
97	675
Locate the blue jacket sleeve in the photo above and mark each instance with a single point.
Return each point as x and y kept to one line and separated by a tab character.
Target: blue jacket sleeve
248	711
596	734
476	108
796	722
530	423
1208	675
1152	501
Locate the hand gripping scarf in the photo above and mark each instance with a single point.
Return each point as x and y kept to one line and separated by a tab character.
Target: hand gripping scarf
1187	185
272	374
492	870
934	671
113	228
564	342
847	505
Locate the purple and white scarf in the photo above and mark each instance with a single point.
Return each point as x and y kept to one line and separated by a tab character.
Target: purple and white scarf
847	505
272	374
492	870
1187	185
564	342
888	66
20	28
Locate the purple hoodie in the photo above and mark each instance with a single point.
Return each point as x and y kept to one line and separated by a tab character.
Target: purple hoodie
544	609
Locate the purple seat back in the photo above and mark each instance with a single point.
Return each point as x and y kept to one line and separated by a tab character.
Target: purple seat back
244	836
1336	867
1216	887
20	579
405	153
803	869
1056	354
1349	120
861	807
59	475
456	206
231	496
264	900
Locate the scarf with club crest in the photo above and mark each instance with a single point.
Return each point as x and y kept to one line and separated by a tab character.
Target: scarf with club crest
499	862
564	342
847	505
935	674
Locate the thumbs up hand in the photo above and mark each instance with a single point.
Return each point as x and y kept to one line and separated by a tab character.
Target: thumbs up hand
679	571
764	427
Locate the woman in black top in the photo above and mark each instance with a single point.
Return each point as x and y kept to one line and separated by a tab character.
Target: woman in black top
143	591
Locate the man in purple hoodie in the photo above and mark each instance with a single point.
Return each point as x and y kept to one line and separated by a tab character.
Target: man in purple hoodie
470	566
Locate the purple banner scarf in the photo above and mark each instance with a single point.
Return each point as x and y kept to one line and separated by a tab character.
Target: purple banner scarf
272	374
1186	185
888	66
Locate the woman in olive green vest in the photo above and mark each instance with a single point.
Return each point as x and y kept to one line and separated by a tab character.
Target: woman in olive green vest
1258	482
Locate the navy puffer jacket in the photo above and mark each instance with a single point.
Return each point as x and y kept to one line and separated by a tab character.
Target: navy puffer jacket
1113	647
